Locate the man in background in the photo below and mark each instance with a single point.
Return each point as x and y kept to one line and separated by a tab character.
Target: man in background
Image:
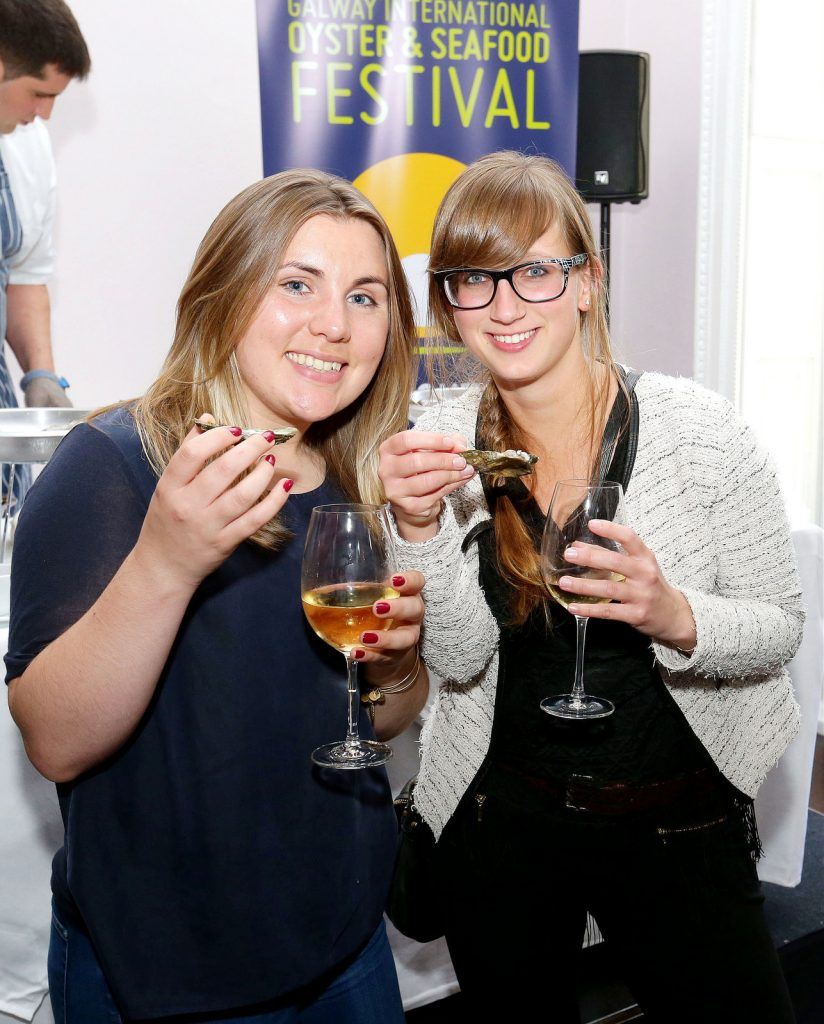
41	51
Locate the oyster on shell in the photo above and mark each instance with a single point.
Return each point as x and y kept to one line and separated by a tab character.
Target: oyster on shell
508	463
281	435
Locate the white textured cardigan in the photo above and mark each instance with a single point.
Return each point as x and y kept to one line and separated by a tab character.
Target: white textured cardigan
704	498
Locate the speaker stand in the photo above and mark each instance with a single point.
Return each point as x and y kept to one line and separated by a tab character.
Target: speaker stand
605	251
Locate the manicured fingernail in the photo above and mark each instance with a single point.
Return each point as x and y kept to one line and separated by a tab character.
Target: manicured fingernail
564	582
458	462
268	435
357	654
382	607
270	459
571	552
370	638
235	431
288	485
398	581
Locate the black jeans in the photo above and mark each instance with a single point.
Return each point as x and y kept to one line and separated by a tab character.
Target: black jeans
681	911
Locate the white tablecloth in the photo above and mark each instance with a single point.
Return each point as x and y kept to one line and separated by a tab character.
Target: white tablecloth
30	832
781	806
30	829
424	969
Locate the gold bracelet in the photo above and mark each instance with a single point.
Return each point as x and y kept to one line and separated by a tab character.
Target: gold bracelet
408	679
377	695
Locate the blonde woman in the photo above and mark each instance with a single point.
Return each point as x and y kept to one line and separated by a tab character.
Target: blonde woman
644	818
160	669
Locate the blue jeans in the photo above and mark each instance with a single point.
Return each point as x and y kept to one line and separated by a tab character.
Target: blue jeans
366	992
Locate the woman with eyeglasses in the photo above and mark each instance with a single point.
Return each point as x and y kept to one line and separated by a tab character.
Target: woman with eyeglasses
643	819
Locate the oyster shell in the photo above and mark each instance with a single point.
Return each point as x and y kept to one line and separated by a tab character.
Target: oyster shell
508	463
281	435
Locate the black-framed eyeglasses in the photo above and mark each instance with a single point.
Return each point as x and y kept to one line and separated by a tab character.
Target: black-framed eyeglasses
537	281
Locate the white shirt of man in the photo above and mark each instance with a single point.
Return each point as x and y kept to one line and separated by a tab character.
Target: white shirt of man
27	154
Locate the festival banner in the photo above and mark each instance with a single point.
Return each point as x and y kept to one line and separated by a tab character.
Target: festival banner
399	96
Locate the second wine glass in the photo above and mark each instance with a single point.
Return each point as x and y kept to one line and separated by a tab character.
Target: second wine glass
348	561
574	503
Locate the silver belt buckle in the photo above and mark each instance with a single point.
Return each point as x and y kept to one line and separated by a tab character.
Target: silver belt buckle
569	800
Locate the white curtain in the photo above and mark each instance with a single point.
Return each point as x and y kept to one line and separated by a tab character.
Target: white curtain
760	280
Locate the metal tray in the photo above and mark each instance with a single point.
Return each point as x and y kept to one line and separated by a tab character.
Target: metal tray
31	435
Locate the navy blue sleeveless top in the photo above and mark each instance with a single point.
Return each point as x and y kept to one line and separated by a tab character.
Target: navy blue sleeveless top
211	863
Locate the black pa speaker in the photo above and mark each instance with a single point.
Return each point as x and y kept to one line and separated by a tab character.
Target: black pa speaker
613	126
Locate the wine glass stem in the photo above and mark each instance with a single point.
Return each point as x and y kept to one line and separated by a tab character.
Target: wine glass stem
352	739
580	641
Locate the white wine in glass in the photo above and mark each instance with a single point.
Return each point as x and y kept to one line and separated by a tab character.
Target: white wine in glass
574	503
565	597
348	561
339	614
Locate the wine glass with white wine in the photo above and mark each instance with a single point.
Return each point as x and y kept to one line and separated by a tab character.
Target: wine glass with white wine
574	503
348	561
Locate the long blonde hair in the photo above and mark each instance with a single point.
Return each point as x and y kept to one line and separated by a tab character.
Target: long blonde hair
235	265
489	218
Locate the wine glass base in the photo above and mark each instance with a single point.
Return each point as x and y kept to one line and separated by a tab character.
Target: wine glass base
348	756
565	705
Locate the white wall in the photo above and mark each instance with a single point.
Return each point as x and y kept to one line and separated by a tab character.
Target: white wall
167	129
653	243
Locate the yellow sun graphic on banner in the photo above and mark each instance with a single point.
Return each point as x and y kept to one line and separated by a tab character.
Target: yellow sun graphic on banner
407	190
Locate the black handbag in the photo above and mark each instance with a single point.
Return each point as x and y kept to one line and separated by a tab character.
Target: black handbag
414	906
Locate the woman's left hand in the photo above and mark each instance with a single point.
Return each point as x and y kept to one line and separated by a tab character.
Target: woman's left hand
643	599
391	659
387	651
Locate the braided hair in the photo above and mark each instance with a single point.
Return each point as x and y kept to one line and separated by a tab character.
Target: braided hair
491	216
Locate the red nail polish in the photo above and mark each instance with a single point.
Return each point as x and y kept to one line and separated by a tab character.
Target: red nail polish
370	638
270	459
288	485
268	435
382	607
236	431
358	654
398	581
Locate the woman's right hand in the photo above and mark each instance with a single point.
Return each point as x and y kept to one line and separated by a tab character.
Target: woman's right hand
81	698
418	470
199	514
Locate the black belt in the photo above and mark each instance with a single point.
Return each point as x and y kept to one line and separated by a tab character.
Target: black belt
586	793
